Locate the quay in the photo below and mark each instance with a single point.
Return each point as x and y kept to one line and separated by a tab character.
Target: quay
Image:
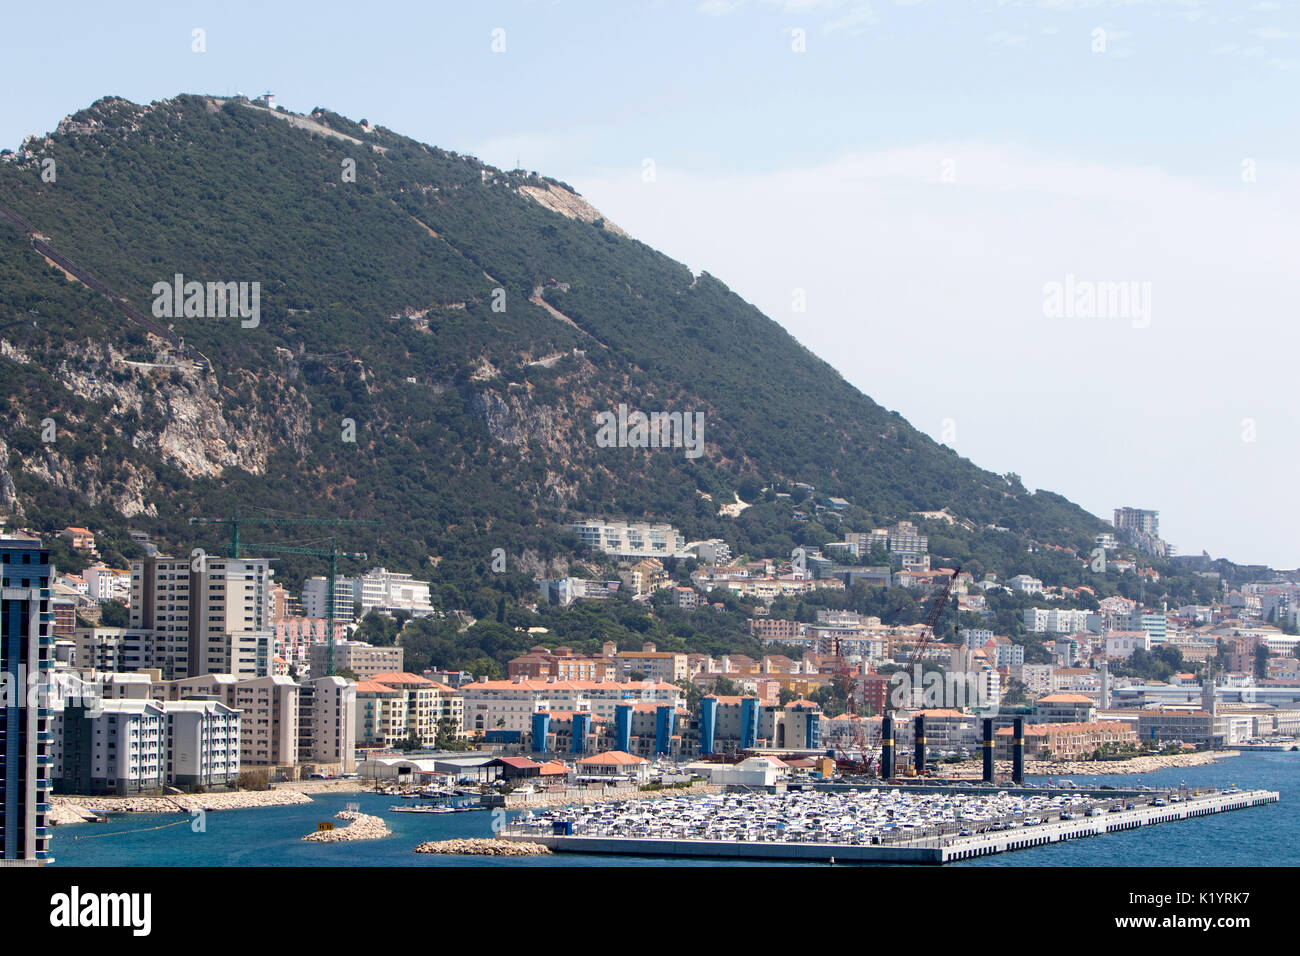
933	847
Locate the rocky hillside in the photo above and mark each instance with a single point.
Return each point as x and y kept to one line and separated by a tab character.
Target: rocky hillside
433	341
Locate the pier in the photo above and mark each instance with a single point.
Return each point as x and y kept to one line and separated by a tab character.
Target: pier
1104	812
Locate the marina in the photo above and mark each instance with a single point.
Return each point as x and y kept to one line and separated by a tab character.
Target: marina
272	835
878	825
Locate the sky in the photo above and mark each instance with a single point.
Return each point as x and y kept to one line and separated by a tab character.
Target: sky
1058	236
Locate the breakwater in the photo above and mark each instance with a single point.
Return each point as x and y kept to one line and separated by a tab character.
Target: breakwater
75	809
363	826
483	847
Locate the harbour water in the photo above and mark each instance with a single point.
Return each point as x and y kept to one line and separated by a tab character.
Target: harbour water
273	836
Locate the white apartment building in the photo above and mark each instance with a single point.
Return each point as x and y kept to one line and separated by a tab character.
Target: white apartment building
382	590
1124	643
107	584
1025	584
975	636
204	743
1040	620
133	745
624	540
315	602
118	747
715	551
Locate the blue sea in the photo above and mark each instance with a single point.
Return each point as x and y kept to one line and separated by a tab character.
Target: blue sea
272	836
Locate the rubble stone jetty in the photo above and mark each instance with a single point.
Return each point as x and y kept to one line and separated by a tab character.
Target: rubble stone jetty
364	826
482	847
68	807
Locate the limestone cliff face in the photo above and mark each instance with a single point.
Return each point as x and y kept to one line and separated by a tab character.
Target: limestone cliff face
128	491
164	408
9	503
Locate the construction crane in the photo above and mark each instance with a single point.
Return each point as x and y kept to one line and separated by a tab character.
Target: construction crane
932	618
853	707
333	554
927	632
235	520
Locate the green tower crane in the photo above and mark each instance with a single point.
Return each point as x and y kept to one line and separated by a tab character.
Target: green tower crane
333	554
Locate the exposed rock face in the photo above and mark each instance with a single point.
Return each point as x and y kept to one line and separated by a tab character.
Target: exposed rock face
183	411
514	418
126	492
168	407
9	503
569	204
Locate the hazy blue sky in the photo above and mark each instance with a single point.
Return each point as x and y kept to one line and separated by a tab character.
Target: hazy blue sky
916	174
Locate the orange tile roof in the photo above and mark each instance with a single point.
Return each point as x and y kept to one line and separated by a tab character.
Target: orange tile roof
403	677
374	687
612	758
567	685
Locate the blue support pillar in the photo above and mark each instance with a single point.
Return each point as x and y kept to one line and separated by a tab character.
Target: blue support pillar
581	728
623	728
748	722
541	728
708	724
665	721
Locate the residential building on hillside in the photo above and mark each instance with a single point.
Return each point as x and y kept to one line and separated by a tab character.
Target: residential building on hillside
108	584
364	660
561	664
315	598
630	540
79	539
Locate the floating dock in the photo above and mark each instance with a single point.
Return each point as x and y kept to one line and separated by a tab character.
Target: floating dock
923	850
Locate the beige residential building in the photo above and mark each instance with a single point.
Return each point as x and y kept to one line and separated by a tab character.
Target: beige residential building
393	707
655	665
206	615
381	715
644	577
364	660
269	729
327	723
